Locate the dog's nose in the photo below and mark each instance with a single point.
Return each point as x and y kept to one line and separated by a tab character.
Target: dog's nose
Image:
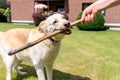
67	24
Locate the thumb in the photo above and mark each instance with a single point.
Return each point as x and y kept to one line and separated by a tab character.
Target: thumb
82	20
83	16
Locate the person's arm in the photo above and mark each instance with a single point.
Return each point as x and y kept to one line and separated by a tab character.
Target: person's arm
91	11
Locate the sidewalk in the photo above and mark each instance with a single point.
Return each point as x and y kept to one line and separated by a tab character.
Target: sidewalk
113	28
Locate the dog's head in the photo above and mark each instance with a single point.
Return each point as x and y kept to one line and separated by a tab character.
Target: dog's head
55	22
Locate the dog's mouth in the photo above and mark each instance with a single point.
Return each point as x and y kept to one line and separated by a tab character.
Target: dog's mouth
66	31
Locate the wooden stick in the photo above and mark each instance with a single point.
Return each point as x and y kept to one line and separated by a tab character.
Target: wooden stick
30	44
76	22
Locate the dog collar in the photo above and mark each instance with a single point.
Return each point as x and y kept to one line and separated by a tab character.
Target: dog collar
54	40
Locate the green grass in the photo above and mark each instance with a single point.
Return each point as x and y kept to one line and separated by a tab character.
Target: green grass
7	26
84	55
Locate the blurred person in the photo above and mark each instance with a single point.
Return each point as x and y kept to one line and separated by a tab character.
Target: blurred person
40	14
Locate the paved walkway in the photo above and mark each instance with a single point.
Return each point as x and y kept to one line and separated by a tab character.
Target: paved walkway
111	28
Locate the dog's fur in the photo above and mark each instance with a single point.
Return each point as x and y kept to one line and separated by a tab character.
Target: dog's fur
40	55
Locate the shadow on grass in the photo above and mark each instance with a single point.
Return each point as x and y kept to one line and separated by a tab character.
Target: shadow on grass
30	72
57	75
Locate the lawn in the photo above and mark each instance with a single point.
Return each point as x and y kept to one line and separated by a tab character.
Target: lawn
84	55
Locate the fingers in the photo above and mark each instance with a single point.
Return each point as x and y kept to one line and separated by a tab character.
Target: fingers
88	16
83	17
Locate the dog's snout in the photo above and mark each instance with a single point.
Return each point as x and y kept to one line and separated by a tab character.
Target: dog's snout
67	24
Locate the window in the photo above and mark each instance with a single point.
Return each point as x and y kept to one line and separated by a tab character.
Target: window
85	5
54	5
103	12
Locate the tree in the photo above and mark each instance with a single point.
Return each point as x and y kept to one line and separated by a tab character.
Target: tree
3	4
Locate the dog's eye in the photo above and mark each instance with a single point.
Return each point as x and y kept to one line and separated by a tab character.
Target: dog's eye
55	21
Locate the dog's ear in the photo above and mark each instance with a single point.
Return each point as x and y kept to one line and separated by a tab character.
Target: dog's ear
42	26
46	26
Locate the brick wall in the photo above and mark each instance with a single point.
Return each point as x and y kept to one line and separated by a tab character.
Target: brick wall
113	15
22	10
75	7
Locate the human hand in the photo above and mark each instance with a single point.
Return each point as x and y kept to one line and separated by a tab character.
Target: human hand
89	14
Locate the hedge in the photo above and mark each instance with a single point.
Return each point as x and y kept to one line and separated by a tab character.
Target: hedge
96	25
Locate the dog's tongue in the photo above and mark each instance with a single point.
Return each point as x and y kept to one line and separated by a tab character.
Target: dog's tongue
67	31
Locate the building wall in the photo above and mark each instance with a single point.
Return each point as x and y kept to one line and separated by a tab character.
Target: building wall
112	15
22	10
75	7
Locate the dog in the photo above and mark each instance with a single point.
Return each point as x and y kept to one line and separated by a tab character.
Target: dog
41	55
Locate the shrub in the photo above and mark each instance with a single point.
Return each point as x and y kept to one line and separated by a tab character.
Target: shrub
7	12
3	4
3	18
2	11
97	24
